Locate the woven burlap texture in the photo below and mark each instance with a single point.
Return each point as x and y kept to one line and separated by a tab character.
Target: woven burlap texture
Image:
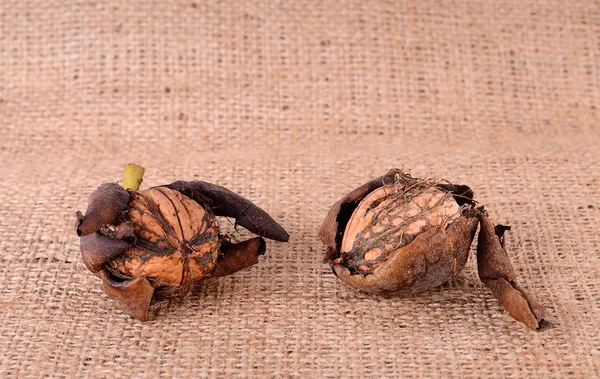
293	104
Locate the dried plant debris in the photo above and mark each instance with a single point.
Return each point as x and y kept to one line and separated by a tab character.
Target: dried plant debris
165	238
399	235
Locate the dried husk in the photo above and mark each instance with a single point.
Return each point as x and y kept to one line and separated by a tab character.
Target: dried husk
105	205
226	203
497	272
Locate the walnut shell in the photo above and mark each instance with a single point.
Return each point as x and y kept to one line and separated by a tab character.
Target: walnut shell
177	239
401	237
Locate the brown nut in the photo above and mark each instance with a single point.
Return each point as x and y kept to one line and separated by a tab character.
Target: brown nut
166	238
398	235
177	239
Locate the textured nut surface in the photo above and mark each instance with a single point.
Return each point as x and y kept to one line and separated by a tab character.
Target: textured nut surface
177	239
391	217
433	258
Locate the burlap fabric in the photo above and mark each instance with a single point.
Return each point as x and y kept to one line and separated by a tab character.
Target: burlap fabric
292	104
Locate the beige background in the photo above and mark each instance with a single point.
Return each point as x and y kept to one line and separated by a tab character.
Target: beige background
292	104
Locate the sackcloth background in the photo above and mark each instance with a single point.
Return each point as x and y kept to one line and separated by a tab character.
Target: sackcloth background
293	104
